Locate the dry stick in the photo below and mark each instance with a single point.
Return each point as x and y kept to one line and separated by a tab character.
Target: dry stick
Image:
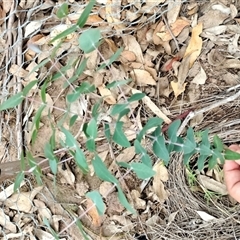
19	89
205	109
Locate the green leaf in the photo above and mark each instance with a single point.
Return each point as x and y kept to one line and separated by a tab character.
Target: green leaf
28	88
41	64
115	84
43	91
159	148
136	97
212	162
85	14
53	162
123	113
89	40
97	199
172	130
119	136
73	120
201	161
205	139
95	110
22	161
86	87
102	172
90	145
217	143
204	150
124	201
62	71
112	59
37	117
231	155
77	73
62	11
152	122
72	97
186	157
12	102
65	33
143	171
123	164
34	136
80	227
190	143
107	131
81	160
92	128
117	108
177	148
219	155
144	156
18	181
46	222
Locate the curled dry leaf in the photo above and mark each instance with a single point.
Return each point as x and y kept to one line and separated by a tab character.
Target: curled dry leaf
174	8
146	100
107	95
142	77
195	45
211	184
176	29
215	58
6	222
231	63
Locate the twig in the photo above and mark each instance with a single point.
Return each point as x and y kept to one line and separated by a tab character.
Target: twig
205	109
170	31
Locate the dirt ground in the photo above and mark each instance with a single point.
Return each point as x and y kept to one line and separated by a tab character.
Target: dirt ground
184	55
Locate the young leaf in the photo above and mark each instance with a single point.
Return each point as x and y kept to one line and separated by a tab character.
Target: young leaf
107	131
112	59
18	181
117	108
86	87
85	14
123	113
89	40
124	201
136	97
62	11
97	199
190	143
77	73
217	143
152	122
205	139
12	102
64	33
95	110
119	136
144	156
219	155
231	155
73	120
53	162
159	148
72	97
102	172
143	171
37	117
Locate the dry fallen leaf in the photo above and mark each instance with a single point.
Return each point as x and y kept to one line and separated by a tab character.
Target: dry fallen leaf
200	78
205	216
176	29
142	77
158	179
107	95
93	213
7	5
195	44
211	184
